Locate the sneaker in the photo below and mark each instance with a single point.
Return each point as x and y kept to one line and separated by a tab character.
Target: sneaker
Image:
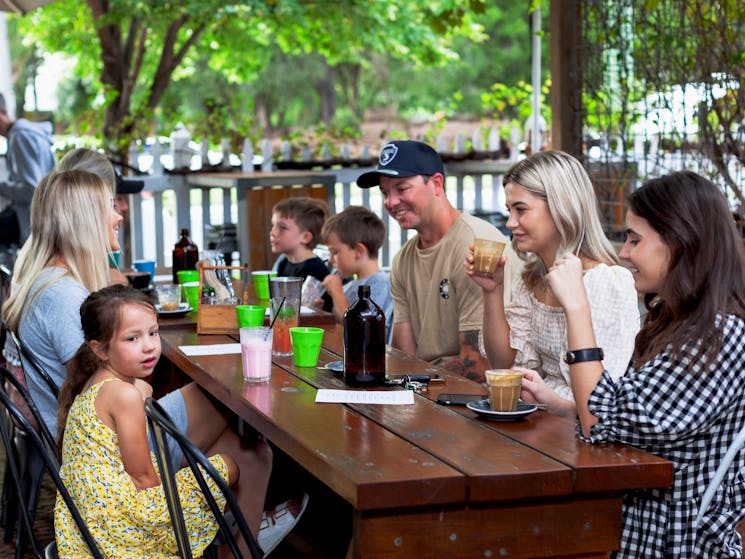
276	524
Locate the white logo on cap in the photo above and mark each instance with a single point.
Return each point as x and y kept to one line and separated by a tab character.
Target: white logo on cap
387	154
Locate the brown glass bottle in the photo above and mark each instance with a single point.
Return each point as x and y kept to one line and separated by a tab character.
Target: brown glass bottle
185	254
364	342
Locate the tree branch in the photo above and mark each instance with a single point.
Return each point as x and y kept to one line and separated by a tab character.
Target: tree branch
168	60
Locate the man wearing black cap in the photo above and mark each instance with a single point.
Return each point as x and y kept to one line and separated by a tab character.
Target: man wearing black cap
438	310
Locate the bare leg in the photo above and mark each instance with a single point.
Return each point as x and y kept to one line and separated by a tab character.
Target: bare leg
206	421
208	430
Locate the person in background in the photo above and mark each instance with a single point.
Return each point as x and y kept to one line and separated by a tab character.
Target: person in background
437	311
554	211
354	238
106	462
29	158
683	396
125	187
73	224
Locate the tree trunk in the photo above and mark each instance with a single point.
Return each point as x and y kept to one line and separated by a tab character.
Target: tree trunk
327	95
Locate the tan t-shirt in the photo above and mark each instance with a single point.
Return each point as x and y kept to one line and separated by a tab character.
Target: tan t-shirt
433	292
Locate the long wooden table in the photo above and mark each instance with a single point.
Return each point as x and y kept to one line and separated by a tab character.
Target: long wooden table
427	480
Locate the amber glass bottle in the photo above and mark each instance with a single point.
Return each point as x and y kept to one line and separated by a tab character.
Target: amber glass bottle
185	254
364	342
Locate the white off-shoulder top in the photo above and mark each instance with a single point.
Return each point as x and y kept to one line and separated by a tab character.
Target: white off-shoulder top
539	332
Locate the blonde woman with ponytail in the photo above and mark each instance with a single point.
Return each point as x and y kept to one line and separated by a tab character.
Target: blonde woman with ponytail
553	212
64	259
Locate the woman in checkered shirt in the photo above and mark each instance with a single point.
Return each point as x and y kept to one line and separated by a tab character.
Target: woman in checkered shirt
683	396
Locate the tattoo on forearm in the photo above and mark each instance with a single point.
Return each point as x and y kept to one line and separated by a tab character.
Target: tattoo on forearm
469	363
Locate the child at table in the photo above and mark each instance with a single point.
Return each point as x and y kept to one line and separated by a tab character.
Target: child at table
354	237
683	396
106	461
296	231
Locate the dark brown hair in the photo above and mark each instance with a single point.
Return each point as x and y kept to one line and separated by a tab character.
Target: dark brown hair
356	224
309	214
100	317
706	277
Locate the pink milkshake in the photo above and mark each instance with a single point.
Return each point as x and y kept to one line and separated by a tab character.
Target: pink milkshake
256	348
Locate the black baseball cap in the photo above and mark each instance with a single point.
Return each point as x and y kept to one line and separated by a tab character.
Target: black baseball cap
403	158
128	186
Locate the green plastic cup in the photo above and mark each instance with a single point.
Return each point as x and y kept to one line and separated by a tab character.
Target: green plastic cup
192	293
187	276
261	283
306	345
250	316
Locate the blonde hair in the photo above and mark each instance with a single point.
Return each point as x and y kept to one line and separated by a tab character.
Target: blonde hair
560	180
86	159
68	222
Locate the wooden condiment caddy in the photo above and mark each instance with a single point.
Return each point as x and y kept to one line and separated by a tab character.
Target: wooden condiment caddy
220	318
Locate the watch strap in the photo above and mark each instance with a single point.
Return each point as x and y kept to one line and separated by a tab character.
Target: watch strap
583	355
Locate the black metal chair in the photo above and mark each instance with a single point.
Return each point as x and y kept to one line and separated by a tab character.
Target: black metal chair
45	446
161	425
27	357
31	465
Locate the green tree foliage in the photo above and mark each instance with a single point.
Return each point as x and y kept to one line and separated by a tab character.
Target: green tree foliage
134	49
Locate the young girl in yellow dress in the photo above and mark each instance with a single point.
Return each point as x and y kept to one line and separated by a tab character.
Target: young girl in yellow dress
106	461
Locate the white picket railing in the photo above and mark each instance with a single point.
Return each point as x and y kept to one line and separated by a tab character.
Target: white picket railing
168	203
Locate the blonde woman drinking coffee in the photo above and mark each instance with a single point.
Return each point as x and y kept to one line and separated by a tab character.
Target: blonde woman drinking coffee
554	211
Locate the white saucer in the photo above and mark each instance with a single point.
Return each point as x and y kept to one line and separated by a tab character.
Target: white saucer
336	366
182	309
483	408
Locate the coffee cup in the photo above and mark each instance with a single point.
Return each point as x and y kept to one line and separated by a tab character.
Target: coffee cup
486	255
169	296
504	388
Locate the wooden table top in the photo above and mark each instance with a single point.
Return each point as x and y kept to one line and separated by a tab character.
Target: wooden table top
382	456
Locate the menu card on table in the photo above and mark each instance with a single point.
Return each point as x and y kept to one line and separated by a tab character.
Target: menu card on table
395	397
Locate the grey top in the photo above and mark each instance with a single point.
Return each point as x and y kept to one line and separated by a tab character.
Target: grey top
29	159
50	328
380	293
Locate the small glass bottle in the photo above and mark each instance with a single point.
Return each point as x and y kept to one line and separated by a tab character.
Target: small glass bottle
364	342
185	254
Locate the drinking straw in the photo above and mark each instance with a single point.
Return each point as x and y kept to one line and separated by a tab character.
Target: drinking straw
276	314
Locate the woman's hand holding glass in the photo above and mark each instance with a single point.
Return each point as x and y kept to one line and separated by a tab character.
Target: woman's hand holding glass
536	391
487	283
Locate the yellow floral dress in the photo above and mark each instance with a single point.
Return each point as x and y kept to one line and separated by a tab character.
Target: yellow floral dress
124	522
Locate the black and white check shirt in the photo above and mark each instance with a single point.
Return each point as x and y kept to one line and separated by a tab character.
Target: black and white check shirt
690	416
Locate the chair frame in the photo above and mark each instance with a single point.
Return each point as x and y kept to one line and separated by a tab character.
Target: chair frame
160	425
51	463
30	468
25	353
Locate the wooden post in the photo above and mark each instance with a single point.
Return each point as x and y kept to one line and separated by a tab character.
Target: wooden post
566	76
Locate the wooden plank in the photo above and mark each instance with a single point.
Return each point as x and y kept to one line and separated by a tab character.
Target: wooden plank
498	468
556	529
610	467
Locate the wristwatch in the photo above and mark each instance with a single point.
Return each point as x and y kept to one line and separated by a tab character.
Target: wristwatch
582	355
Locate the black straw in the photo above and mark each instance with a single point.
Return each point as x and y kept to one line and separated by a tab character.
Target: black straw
276	314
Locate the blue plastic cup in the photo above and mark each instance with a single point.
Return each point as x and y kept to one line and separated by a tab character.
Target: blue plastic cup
145	266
